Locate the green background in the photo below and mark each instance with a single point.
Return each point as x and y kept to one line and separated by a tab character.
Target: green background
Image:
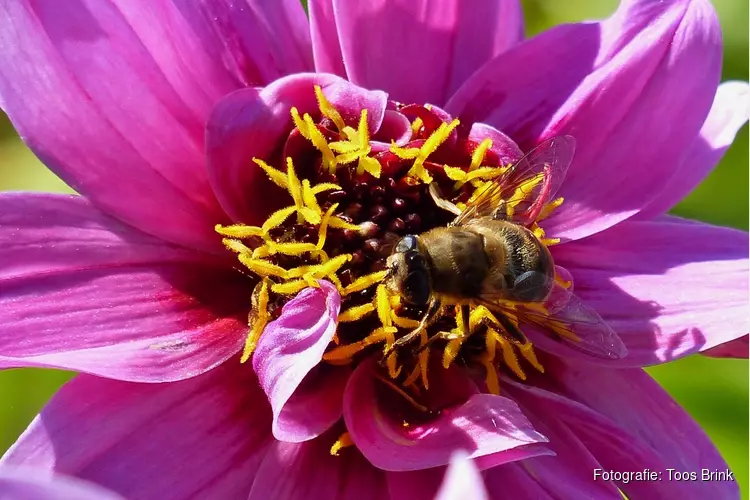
714	391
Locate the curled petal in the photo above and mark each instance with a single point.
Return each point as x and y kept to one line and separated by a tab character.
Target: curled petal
253	123
486	426
82	291
110	432
729	112
629	99
288	351
420	51
665	296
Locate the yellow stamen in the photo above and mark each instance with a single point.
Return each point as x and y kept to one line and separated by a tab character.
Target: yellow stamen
259	321
509	356
364	282
402	322
277	218
236	246
263	268
383	306
344	441
477	157
347	351
356	313
290	287
549	208
337	223
325	186
327	109
527	351
319	141
276	176
238	230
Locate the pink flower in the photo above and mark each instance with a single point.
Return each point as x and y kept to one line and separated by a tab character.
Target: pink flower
131	286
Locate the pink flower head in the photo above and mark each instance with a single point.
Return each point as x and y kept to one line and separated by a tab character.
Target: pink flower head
222	284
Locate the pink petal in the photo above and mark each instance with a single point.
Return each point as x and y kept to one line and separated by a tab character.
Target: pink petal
514	481
568	474
737	348
82	291
462	481
643	427
30	484
422	484
288	351
77	79
486	426
421	51
664	294
729	112
325	41
199	438
253	123
633	116
301	471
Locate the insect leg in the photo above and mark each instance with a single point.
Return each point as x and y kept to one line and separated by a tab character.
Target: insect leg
432	311
511	329
464	327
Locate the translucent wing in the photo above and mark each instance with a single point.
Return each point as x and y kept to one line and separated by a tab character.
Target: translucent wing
565	315
520	193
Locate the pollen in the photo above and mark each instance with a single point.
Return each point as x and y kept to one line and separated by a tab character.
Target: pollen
344	441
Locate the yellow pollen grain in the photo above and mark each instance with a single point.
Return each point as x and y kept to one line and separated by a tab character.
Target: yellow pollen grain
344	441
477	157
356	313
327	109
238	231
563	283
260	311
277	177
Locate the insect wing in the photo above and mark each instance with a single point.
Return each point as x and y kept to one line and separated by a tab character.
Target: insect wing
522	191
576	324
570	319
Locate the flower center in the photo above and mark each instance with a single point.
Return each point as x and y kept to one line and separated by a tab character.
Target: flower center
352	197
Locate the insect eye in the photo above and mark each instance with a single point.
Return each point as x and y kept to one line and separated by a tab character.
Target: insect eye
417	287
407	243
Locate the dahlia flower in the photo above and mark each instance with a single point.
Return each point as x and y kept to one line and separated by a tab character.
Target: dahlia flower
243	174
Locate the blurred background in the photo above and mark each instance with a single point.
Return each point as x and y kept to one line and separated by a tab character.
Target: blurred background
714	391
